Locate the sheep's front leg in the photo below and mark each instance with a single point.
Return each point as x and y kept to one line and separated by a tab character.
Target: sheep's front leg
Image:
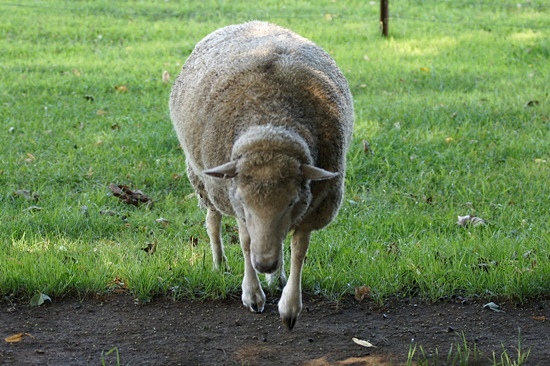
253	296
213	227
290	303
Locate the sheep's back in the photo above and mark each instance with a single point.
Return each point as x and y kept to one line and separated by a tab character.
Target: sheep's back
258	73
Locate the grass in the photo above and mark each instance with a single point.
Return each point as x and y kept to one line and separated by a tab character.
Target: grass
463	353
455	107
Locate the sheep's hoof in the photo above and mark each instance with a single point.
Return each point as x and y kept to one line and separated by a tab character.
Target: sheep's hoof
257	308
289	322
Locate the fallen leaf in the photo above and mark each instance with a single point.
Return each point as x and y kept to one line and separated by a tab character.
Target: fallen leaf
470	220
17	337
108	213
540	318
362	342
120	283
540	161
26	194
90	172
39	299
424	69
393	248
366	147
163	221
176	176
121	88
151	248
532	103
33	209
493	306
126	195
328	17
30	158
362	292
165	77
194	241
100	112
449	140
76	72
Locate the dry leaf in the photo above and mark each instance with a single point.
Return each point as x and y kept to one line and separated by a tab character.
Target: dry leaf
532	103
30	158
17	337
393	248
26	194
540	318
328	17
366	147
126	195
165	77
33	209
424	69
151	248
470	220
362	292
100	112
163	221
449	140
120	284
363	343
493	306
176	176
121	88
76	72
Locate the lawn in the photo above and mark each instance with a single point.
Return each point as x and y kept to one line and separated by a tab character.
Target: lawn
452	119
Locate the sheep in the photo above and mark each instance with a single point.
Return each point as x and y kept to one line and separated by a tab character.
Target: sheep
265	118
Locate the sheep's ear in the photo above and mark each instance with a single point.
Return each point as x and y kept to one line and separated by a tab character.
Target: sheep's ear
314	173
227	170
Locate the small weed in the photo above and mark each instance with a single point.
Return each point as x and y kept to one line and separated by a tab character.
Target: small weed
507	360
105	354
465	354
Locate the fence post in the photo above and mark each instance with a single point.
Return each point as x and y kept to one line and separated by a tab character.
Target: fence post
384	16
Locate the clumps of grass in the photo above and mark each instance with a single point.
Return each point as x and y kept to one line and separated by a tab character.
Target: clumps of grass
464	353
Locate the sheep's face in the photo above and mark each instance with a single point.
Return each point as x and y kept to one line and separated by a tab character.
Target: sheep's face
268	210
269	199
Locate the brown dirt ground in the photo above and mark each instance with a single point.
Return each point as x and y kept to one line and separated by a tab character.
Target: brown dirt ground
167	332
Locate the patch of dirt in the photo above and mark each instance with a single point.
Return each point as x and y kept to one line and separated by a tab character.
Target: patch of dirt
167	332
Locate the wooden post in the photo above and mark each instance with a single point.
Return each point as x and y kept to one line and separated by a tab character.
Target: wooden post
384	16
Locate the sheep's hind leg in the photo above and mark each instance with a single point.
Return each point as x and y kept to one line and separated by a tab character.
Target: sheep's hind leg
277	278
213	227
253	296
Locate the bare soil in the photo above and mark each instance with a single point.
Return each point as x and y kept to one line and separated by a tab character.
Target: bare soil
168	332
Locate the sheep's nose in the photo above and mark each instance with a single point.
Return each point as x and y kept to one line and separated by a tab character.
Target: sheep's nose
265	266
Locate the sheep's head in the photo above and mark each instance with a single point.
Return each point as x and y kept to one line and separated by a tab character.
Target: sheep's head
269	195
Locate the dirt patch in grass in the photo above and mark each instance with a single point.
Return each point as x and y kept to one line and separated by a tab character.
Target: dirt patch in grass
167	332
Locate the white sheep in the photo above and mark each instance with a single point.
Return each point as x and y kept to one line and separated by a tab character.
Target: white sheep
265	118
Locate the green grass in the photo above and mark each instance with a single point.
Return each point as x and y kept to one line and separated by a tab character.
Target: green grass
464	353
455	106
